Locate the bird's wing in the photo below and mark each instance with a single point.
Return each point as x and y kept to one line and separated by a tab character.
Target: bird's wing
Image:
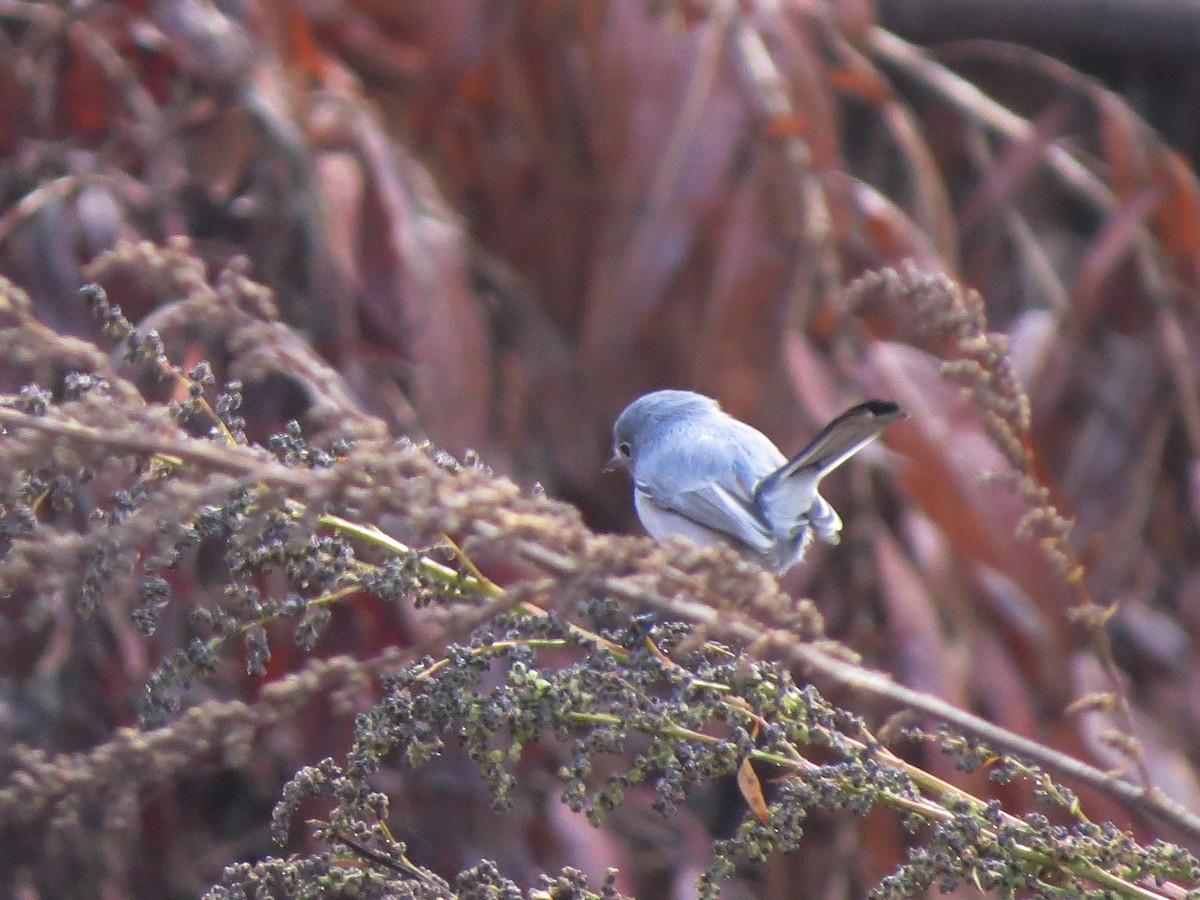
790	491
709	479
715	508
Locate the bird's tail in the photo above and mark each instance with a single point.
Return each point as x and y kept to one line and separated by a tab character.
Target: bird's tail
789	494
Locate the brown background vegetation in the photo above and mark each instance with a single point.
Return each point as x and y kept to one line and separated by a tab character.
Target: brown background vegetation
501	221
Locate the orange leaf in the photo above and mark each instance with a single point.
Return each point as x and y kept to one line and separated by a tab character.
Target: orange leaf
786	127
751	789
1177	218
303	45
863	83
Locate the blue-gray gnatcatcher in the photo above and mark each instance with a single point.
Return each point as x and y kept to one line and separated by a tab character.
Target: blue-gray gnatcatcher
700	473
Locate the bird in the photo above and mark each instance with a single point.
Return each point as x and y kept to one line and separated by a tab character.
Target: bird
699	473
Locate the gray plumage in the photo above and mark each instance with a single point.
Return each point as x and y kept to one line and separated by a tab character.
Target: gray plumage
702	474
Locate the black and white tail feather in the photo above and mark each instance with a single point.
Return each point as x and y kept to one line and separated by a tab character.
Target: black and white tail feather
790	493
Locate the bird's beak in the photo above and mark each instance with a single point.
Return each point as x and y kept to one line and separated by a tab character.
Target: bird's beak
617	462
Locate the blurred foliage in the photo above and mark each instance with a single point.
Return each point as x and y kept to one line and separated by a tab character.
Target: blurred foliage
496	223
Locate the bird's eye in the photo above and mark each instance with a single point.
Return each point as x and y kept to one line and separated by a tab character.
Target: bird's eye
624	449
